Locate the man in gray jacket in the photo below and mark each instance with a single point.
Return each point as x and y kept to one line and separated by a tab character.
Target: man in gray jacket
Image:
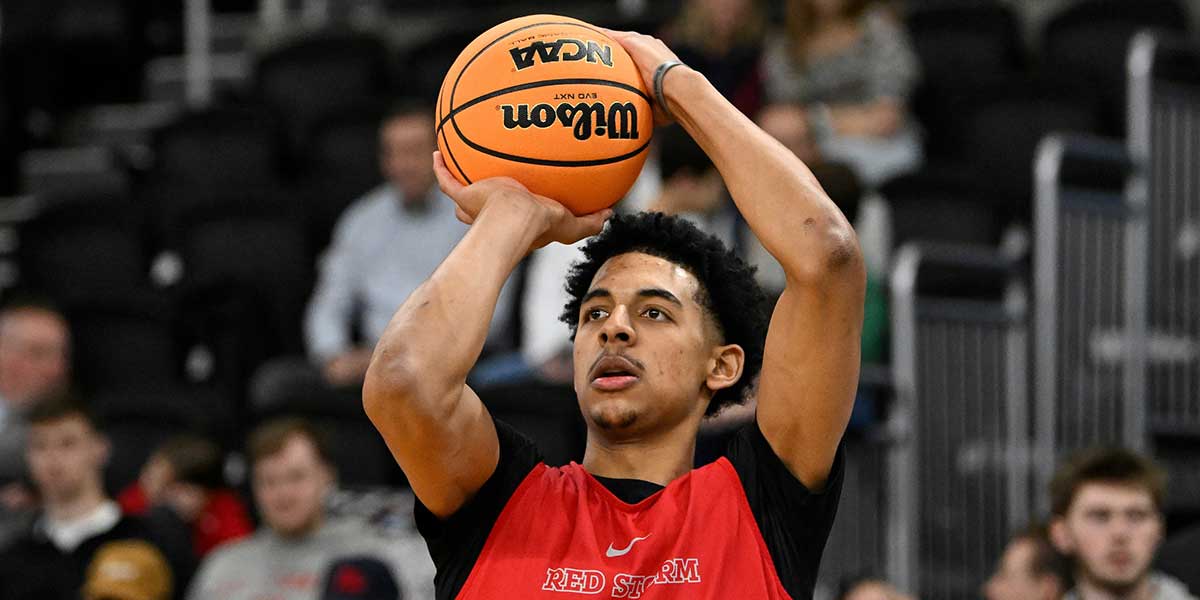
291	555
1107	517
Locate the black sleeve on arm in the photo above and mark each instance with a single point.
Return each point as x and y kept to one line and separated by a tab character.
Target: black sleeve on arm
456	542
794	521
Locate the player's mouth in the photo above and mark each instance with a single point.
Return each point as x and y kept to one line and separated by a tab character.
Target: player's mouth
613	373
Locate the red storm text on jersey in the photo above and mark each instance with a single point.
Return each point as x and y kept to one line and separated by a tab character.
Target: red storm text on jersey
563	535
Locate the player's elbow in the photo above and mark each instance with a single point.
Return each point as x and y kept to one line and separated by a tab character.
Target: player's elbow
390	381
826	255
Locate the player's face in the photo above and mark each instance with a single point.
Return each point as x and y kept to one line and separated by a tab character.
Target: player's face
1014	578
1112	531
642	346
290	487
405	144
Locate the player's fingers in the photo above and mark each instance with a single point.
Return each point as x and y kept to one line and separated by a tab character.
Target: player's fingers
462	215
615	34
591	224
446	181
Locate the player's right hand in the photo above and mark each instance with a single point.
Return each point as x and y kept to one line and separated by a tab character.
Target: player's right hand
553	221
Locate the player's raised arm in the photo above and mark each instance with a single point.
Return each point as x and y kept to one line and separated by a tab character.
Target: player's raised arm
415	390
811	360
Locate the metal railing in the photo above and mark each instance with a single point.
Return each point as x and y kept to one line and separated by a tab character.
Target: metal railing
958	475
1090	288
1164	137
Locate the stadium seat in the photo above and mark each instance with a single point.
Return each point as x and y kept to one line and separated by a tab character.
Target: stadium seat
961	46
263	257
82	249
205	162
87	173
1091	39
341	163
927	206
1002	137
424	66
126	345
307	78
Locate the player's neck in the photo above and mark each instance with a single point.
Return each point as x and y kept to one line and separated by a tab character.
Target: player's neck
659	459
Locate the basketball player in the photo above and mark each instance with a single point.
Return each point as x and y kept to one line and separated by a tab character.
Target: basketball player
668	327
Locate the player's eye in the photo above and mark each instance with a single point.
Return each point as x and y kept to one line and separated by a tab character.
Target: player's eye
655	314
594	313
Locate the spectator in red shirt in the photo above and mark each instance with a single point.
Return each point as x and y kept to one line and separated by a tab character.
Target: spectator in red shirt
184	475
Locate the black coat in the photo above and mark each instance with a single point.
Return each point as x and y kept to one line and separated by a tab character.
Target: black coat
32	568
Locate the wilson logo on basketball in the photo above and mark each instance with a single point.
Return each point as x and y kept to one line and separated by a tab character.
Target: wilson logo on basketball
548	52
619	121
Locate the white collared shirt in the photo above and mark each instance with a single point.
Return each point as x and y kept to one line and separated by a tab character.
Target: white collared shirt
68	535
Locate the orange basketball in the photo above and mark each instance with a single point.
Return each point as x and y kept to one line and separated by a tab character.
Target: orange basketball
551	102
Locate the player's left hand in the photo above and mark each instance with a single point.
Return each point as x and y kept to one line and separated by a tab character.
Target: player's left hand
648	53
554	222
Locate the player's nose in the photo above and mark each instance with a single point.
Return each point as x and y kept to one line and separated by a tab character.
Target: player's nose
618	327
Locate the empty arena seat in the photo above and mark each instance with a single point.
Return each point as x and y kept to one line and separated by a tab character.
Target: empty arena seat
211	160
1090	39
340	164
78	250
309	77
936	207
962	47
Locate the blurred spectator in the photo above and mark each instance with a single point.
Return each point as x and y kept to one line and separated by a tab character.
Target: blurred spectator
289	555
185	475
840	75
128	570
869	588
35	347
1030	569
384	246
66	454
1107	517
1178	557
723	40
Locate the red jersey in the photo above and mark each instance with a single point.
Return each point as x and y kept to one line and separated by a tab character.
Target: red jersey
695	538
741	527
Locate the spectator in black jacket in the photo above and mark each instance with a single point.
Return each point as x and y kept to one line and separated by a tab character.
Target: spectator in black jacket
66	453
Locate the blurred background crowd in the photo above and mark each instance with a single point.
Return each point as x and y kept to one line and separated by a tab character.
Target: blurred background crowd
210	209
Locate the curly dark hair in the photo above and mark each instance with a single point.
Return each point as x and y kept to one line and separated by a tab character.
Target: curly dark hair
728	290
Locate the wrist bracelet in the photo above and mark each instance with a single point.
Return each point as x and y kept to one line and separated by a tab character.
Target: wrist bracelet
659	74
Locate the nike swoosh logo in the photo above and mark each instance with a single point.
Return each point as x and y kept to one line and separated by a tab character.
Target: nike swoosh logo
613	552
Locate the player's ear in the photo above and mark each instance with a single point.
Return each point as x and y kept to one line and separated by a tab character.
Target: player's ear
725	366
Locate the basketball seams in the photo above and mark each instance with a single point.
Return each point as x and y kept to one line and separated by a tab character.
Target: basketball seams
446	142
554	163
537	84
